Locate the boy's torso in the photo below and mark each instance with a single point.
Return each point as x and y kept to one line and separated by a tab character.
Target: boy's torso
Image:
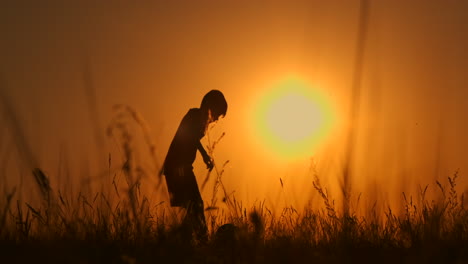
183	148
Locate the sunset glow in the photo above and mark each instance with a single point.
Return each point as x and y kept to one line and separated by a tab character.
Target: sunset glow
292	118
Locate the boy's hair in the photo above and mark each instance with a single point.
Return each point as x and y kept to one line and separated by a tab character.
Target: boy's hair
214	100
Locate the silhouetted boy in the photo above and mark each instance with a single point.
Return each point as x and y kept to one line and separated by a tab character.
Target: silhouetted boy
180	179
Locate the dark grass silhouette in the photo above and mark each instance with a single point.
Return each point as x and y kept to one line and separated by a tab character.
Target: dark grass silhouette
126	227
89	229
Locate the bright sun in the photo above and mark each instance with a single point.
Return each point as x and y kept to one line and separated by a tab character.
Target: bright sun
292	118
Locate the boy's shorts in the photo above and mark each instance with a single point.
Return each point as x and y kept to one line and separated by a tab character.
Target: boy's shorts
182	186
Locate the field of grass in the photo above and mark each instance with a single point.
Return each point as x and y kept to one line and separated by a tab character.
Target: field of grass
121	225
91	229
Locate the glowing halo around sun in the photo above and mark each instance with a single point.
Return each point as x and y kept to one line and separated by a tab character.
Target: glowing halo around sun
292	118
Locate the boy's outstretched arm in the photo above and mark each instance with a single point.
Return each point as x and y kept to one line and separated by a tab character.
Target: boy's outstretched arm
206	158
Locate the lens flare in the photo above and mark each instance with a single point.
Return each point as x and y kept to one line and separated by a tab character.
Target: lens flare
292	118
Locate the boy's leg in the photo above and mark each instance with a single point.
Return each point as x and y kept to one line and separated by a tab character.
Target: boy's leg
201	228
195	219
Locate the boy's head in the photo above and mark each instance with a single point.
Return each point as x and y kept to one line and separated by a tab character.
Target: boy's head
215	104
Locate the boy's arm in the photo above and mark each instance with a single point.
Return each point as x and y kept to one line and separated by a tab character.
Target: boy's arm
206	157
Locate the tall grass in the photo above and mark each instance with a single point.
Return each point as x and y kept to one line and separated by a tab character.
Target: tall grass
122	224
135	222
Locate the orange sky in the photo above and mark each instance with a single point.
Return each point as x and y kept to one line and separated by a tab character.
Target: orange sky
161	58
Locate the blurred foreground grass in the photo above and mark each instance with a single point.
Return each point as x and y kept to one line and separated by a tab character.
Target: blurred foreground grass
122	225
131	230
